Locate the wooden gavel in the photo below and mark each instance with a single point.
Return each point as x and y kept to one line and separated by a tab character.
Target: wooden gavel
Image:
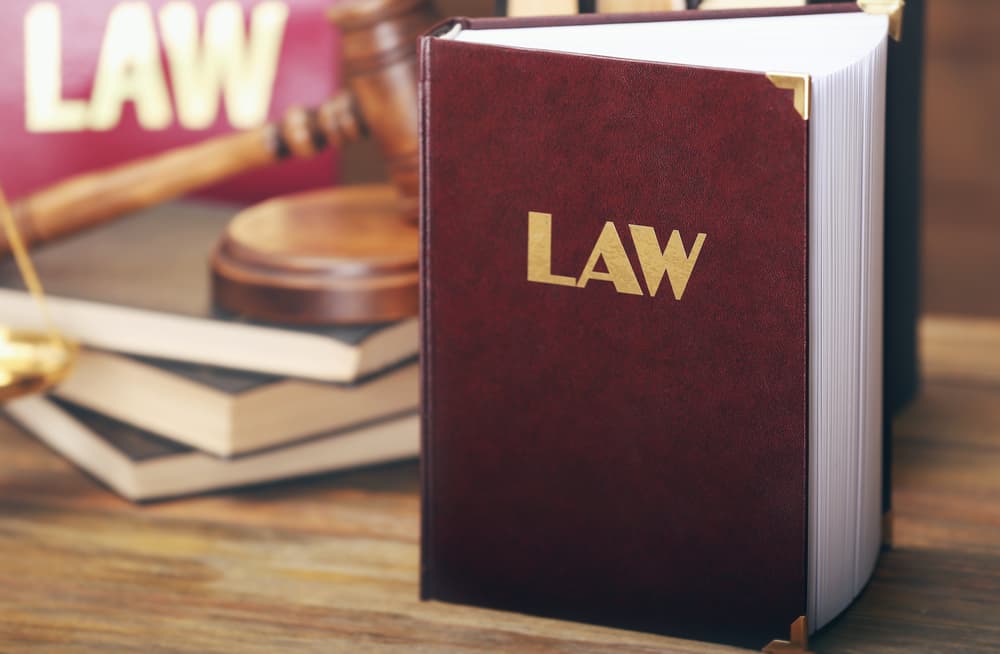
378	41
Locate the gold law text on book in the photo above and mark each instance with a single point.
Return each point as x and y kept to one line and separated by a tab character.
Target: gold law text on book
672	260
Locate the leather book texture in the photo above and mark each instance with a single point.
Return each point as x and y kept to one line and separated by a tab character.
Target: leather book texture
614	341
902	197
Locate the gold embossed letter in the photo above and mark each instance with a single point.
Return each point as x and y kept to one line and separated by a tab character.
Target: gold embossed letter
540	251
609	247
242	65
673	260
129	70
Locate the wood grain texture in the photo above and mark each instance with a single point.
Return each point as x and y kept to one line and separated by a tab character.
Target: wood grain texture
343	255
961	158
89	199
329	564
379	59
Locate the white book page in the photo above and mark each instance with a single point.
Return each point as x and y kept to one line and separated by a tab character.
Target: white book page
817	44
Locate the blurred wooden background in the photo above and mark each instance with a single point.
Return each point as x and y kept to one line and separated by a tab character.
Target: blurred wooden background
961	236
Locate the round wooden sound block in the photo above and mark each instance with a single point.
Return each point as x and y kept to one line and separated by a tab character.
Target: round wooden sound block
332	256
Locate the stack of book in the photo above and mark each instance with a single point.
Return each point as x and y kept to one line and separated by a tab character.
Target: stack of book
172	397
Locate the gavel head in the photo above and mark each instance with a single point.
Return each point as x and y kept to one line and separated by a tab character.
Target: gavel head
379	58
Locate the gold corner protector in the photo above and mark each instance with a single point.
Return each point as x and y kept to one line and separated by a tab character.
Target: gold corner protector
797	643
891	8
800	84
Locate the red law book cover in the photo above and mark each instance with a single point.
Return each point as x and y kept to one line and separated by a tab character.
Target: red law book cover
84	85
592	452
651	316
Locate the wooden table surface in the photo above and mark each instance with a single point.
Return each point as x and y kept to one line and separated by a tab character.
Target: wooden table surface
330	564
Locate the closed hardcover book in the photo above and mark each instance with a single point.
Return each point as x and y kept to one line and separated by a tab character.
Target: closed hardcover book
229	412
652	300
902	194
142	285
141	466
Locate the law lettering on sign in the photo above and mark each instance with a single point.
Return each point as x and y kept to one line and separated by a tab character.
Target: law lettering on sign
609	249
224	59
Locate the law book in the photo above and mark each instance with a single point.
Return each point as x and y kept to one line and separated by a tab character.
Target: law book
902	194
229	412
141	466
141	285
661	235
87	85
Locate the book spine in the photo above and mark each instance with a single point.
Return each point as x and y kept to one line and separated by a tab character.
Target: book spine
426	533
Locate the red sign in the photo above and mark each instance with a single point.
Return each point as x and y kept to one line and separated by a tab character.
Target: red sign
91	84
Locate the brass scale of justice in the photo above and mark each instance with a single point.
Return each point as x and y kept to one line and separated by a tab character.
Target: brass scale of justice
330	256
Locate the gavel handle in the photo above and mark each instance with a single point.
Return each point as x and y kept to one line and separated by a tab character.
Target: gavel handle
92	198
